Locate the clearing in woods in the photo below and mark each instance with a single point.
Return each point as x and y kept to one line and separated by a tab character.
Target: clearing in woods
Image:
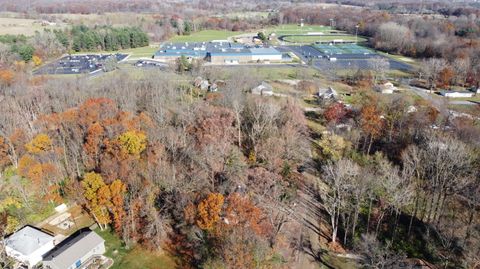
14	26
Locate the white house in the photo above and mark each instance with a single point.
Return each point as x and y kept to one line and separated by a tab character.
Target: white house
264	89
75	251
386	88
28	245
457	94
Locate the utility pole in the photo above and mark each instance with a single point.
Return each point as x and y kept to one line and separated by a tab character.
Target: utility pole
356	33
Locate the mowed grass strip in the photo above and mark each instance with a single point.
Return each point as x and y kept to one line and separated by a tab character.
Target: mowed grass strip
204	36
294	29
319	38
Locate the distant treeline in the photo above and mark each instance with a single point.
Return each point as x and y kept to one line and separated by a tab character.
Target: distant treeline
49	44
82	38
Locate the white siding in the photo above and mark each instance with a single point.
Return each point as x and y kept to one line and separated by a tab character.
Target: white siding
276	57
33	258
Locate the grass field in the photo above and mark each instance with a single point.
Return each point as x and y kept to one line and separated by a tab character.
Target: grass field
206	35
271	73
135	53
294	29
132	258
326	38
143	52
14	26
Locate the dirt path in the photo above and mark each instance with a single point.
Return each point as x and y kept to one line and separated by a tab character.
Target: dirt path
315	231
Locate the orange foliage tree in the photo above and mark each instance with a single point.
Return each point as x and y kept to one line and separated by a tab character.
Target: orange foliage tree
371	122
6	77
117	192
209	211
97	194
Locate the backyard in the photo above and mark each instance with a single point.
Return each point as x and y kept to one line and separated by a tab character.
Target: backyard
135	257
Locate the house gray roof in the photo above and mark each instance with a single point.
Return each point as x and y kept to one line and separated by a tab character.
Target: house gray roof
73	248
27	240
327	93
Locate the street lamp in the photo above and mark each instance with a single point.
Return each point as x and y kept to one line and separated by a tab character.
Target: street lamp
356	33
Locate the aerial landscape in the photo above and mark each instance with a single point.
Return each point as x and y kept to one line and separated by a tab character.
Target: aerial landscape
214	134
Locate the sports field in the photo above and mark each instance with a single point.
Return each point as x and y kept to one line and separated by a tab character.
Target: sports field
294	29
319	38
206	35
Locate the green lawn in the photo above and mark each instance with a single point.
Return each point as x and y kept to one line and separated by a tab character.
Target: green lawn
326	38
142	52
400	58
272	73
135	53
206	35
294	29
132	258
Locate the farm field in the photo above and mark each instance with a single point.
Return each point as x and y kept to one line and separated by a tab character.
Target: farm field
316	38
14	26
203	36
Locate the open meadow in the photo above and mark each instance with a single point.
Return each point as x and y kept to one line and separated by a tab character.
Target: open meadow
15	26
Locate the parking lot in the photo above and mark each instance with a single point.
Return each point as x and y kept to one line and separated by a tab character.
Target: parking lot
78	64
347	56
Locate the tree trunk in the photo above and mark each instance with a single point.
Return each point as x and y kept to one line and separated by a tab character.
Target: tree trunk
355	220
370	145
369	213
469	226
414	214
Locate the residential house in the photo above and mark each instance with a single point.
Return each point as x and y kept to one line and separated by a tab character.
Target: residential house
264	89
28	245
328	93
77	250
457	94
386	88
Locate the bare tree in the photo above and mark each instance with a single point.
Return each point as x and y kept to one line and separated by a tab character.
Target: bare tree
379	66
374	255
339	177
461	67
431	69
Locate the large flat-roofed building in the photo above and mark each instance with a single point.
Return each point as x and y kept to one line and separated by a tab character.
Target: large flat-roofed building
77	250
230	55
28	245
217	52
265	54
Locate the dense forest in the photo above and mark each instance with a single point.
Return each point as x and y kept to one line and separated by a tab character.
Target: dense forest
224	180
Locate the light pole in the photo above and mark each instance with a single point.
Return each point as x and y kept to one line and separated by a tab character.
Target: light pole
356	33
